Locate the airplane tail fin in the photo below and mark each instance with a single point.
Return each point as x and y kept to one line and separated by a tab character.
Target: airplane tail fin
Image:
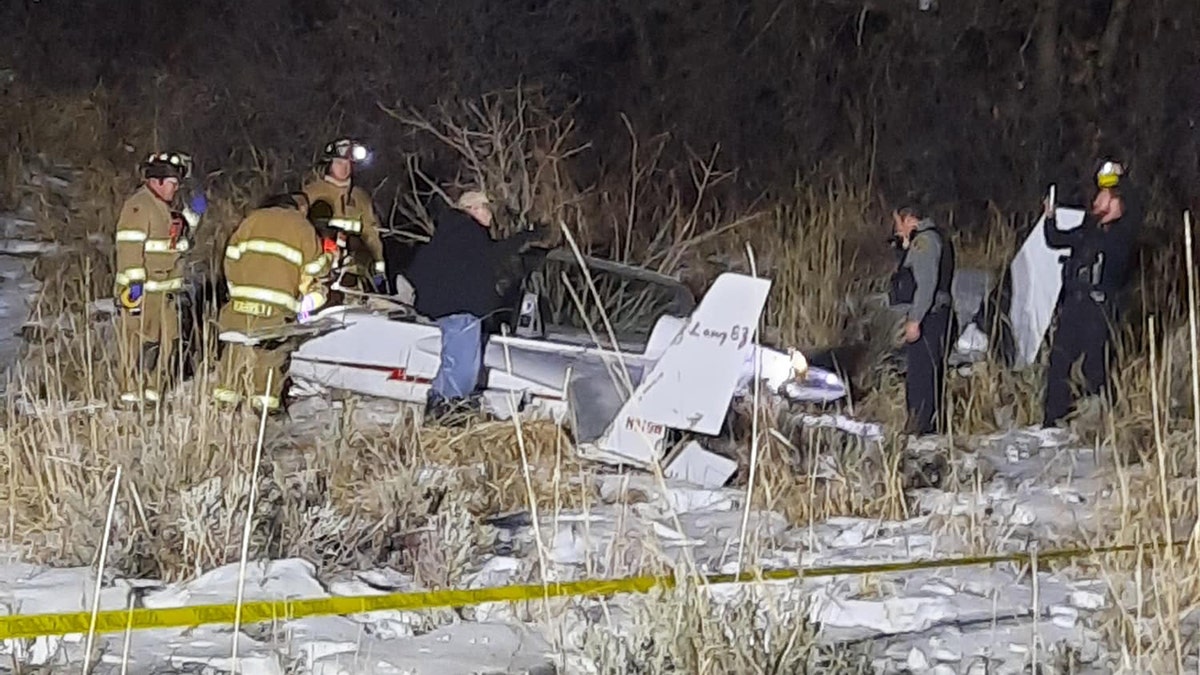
691	385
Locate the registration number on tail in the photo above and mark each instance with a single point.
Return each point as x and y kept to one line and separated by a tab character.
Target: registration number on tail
644	426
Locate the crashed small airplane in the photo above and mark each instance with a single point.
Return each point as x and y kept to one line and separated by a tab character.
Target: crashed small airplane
621	389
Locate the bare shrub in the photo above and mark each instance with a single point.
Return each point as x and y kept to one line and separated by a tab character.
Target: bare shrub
512	145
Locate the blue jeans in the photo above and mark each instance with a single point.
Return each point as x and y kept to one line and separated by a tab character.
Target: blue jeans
462	354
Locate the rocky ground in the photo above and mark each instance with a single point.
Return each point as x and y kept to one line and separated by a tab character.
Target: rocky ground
1032	488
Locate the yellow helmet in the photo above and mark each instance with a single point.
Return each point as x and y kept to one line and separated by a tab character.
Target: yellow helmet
1109	175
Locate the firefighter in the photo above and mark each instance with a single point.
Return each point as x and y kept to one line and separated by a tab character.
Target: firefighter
1093	273
920	289
354	216
273	261
151	240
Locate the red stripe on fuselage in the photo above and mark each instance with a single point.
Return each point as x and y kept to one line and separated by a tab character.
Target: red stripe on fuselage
397	374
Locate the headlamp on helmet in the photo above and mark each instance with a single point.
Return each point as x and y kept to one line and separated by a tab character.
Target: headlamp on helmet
1109	174
347	148
164	165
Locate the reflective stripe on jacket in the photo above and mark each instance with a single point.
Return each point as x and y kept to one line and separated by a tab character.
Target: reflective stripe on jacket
272	258
144	251
353	212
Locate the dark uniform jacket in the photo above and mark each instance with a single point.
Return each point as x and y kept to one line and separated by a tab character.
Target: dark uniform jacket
922	280
456	272
1099	260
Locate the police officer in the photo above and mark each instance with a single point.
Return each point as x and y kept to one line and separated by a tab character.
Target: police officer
272	263
920	289
151	240
1093	273
354	216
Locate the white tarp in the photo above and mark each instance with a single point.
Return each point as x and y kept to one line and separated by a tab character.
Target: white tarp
1036	281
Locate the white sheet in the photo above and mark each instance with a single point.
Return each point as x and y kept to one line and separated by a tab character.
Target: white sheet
1036	281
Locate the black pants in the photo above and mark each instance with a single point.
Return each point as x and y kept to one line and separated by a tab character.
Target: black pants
1083	330
925	380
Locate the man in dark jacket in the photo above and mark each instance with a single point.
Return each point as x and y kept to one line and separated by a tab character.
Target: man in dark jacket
920	289
1093	274
454	277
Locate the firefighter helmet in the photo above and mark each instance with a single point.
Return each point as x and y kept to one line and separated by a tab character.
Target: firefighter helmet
346	148
163	165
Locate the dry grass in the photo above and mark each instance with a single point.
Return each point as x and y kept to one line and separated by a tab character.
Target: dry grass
358	494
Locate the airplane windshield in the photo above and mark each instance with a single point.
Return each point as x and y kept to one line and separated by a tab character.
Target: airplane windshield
627	298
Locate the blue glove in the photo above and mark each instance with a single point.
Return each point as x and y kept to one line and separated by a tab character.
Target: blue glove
131	298
199	204
380	282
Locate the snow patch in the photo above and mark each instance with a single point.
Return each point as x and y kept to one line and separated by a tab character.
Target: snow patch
270	580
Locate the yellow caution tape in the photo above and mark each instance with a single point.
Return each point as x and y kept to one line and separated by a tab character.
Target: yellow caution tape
114	621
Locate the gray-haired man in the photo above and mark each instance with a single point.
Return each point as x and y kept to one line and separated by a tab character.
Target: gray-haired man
454	276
